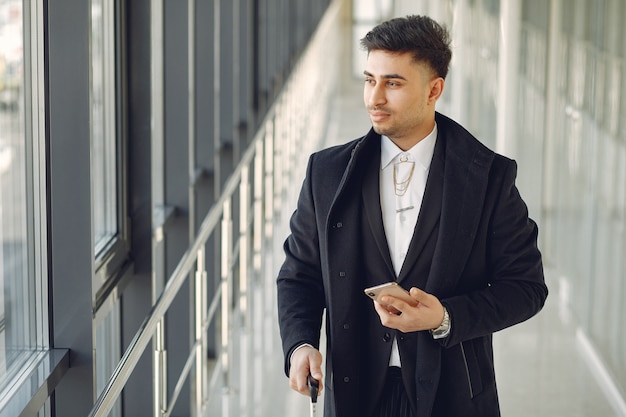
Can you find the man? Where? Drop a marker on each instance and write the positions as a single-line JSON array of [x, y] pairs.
[[421, 202]]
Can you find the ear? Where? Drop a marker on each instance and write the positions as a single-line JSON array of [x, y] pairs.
[[436, 89]]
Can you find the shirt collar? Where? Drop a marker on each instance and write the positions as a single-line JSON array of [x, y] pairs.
[[421, 152]]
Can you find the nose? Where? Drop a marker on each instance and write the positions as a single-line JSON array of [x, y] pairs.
[[374, 95]]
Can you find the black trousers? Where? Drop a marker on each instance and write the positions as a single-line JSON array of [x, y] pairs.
[[394, 401]]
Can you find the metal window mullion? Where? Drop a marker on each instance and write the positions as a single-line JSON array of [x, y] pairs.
[[244, 287], [226, 284], [199, 390], [269, 178], [157, 102], [244, 209], [284, 143], [158, 200], [258, 265], [238, 141], [160, 370], [279, 151], [110, 128], [200, 303], [293, 140], [191, 121], [271, 164], [217, 168], [34, 96], [257, 242]]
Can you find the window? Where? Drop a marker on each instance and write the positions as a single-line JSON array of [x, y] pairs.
[[109, 224], [23, 290], [103, 125], [107, 164], [108, 345]]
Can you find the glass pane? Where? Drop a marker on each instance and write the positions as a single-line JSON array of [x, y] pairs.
[[18, 324], [103, 127], [108, 352]]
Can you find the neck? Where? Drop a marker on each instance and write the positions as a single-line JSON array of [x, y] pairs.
[[406, 142]]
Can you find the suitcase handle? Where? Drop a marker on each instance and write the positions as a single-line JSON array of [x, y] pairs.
[[313, 387]]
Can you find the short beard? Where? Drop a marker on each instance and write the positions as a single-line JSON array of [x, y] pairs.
[[389, 132]]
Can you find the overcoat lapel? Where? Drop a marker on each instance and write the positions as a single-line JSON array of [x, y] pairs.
[[429, 211], [454, 196], [466, 177], [371, 202]]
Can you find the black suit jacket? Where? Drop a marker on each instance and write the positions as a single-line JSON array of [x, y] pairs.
[[474, 247]]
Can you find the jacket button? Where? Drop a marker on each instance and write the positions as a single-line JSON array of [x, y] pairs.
[[339, 225], [386, 337], [401, 338], [346, 326], [346, 379], [342, 274]]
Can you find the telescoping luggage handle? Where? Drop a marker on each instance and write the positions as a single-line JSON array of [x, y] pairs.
[[313, 388]]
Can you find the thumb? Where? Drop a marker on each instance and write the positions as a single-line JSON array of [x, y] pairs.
[[316, 367], [419, 295]]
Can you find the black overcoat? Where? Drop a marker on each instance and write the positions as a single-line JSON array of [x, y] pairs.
[[474, 247]]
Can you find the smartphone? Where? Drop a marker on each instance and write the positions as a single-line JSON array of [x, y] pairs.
[[389, 288]]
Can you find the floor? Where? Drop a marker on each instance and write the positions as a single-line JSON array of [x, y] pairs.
[[542, 365]]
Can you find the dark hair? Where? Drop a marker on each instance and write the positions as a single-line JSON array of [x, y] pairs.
[[426, 39]]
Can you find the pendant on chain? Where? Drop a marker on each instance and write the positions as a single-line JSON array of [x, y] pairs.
[[400, 187]]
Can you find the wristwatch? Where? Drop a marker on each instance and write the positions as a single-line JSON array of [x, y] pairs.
[[444, 328]]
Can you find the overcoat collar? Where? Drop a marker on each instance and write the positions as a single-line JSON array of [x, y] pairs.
[[455, 188]]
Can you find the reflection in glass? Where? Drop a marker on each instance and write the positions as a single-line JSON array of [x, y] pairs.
[[103, 127], [104, 177], [108, 345], [17, 279]]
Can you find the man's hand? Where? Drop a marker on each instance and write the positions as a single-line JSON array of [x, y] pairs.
[[305, 360], [427, 314]]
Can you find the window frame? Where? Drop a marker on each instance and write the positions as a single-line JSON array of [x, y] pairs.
[[43, 367], [111, 259]]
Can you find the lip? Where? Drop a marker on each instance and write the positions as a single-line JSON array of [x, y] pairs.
[[378, 116]]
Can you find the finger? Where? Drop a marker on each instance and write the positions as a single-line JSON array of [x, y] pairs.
[[316, 371], [380, 309], [433, 311], [394, 304], [387, 317], [297, 381], [384, 309], [420, 295], [304, 361]]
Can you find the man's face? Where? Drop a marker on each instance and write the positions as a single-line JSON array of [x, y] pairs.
[[400, 96]]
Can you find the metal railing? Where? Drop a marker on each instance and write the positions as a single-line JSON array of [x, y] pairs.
[[259, 191]]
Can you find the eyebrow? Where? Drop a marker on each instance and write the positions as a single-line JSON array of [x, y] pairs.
[[387, 76]]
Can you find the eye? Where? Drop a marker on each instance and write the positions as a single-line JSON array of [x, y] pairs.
[[369, 81]]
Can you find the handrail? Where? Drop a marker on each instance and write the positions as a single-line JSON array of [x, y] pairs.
[[144, 334], [299, 93]]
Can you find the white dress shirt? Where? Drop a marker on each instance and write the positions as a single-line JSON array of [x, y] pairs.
[[400, 212]]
